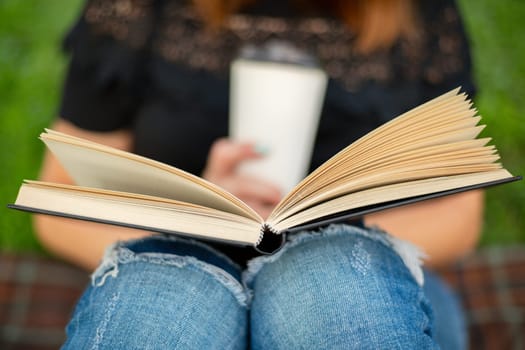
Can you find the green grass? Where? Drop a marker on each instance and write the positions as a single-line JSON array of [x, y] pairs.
[[499, 56], [31, 66], [31, 70]]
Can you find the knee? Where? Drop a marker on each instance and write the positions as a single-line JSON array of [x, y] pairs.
[[336, 290], [152, 299]]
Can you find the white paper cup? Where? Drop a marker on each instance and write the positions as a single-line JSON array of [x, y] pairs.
[[277, 106]]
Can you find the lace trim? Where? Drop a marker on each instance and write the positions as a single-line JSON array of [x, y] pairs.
[[449, 46], [181, 38], [129, 21]]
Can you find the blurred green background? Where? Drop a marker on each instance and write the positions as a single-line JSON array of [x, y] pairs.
[[32, 66]]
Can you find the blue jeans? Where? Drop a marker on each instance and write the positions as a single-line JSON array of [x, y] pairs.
[[342, 287]]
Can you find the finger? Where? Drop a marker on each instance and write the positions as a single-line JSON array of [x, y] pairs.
[[225, 155]]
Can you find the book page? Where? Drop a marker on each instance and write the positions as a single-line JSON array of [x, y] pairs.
[[137, 211], [94, 165], [385, 194], [416, 169], [436, 139], [446, 119]]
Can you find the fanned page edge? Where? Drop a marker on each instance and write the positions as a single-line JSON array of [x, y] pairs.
[[453, 106], [406, 115], [441, 103]]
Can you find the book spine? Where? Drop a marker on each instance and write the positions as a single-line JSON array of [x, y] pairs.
[[270, 240]]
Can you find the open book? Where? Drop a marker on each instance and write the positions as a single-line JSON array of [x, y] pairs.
[[428, 152]]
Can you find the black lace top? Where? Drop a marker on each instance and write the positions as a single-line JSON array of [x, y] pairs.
[[150, 66]]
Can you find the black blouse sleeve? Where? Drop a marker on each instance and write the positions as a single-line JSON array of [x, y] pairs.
[[105, 79]]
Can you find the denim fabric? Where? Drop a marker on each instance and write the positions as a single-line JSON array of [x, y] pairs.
[[449, 321], [340, 288]]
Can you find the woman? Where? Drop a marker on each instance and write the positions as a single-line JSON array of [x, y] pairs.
[[151, 77]]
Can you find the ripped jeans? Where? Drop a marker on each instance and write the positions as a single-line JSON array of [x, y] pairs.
[[342, 287]]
